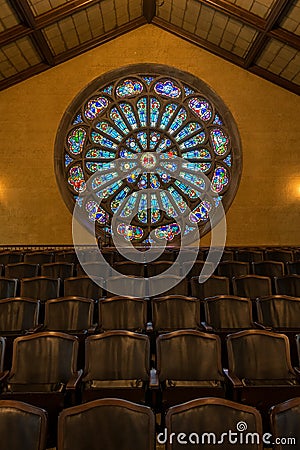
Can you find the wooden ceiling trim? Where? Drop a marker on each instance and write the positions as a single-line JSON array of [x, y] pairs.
[[286, 36], [13, 34], [89, 45], [22, 76], [286, 84], [186, 35]]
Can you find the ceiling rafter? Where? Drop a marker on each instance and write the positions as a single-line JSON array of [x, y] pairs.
[[260, 42], [26, 16], [225, 55], [134, 24], [267, 28]]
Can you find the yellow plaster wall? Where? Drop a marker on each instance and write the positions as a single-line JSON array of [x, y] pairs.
[[266, 208]]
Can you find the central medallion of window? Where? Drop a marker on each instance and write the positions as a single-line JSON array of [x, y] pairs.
[[163, 129]]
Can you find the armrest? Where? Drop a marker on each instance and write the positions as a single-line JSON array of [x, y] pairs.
[[74, 380], [92, 329], [39, 327], [261, 326], [4, 375], [234, 380], [207, 327], [149, 327], [297, 371], [153, 381]]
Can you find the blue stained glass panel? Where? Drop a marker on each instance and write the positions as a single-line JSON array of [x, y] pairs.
[[101, 179], [194, 141], [187, 131], [227, 160], [178, 121], [95, 166], [167, 204], [196, 167], [95, 212], [201, 213], [127, 155], [142, 111], [220, 141], [220, 180], [142, 211], [188, 91], [95, 107], [201, 107], [110, 190], [129, 88], [97, 138], [178, 199], [167, 115], [148, 79], [116, 202], [143, 181], [68, 160], [164, 144], [154, 138], [167, 232], [202, 153], [217, 120], [129, 114], [171, 166], [78, 119], [76, 140], [106, 128], [155, 213], [154, 182], [194, 179], [108, 89], [192, 193], [116, 117], [165, 177], [132, 178], [96, 153], [133, 145], [154, 111], [130, 205], [142, 137], [168, 89]]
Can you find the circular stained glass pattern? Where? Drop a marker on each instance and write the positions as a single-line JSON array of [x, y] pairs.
[[168, 134]]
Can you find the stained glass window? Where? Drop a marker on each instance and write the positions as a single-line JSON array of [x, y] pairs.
[[168, 134]]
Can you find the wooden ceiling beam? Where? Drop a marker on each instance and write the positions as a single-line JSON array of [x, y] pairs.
[[25, 14], [286, 84], [190, 37]]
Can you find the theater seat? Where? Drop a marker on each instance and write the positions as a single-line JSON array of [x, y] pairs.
[[21, 270], [18, 315], [39, 257], [281, 313], [260, 370], [8, 287], [43, 373], [122, 313], [175, 312], [22, 426], [285, 419], [252, 286], [189, 366], [288, 285], [213, 286], [206, 421], [60, 270], [117, 365], [109, 424], [82, 287]]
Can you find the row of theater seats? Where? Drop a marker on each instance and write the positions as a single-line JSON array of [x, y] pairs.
[[250, 286], [82, 316], [111, 255], [226, 268], [118, 365], [110, 424]]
